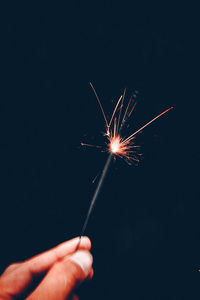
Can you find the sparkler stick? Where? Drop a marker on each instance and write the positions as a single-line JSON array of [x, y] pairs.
[[123, 147], [96, 193]]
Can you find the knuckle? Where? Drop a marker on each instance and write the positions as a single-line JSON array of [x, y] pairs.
[[13, 266]]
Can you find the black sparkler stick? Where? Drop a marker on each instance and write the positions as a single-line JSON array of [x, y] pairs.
[[94, 198]]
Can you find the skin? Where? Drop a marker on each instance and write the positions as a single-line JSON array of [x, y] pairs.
[[60, 275]]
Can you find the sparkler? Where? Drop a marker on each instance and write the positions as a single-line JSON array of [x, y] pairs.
[[117, 145]]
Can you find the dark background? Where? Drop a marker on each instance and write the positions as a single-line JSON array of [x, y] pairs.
[[145, 227]]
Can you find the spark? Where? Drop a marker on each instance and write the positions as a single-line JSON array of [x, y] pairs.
[[89, 145]]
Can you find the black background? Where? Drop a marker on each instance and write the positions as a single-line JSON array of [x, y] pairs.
[[145, 226]]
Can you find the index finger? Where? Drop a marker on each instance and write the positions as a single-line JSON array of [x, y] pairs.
[[45, 260]]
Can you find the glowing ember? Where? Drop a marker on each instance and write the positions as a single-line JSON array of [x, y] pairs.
[[115, 145]]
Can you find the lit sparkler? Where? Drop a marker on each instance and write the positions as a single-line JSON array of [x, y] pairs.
[[117, 145]]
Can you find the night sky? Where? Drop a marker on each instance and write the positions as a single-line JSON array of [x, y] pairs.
[[145, 229]]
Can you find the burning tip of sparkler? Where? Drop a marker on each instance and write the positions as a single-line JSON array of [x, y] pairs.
[[115, 145], [122, 148]]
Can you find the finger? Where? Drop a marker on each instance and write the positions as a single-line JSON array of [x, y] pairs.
[[64, 276], [44, 261]]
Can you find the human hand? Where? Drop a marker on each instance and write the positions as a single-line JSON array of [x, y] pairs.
[[63, 267]]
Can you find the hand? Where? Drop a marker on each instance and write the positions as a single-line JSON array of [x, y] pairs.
[[63, 269]]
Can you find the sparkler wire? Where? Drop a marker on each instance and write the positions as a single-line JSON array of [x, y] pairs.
[[94, 198]]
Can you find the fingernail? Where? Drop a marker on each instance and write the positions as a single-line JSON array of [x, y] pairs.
[[84, 259]]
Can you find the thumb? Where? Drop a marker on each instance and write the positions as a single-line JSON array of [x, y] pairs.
[[64, 276]]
